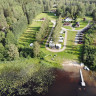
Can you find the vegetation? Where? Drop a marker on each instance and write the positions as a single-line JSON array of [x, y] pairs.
[[26, 70], [43, 31], [57, 30], [75, 9], [89, 54], [25, 77], [36, 49]]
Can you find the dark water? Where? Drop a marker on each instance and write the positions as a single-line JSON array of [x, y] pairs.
[[68, 84]]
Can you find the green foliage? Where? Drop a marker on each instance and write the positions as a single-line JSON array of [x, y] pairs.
[[10, 38], [94, 15], [43, 31], [36, 49], [25, 76], [73, 8], [2, 36], [25, 51], [12, 52], [89, 53], [1, 51], [57, 29]]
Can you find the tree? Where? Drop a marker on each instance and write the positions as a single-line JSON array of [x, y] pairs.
[[1, 51], [36, 49], [13, 52], [56, 32], [94, 15], [10, 39]]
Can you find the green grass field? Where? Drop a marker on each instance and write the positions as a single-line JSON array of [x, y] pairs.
[[50, 16], [83, 23], [29, 36], [68, 27]]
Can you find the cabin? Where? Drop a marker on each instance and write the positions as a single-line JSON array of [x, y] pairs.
[[58, 46], [84, 19], [66, 24], [77, 24]]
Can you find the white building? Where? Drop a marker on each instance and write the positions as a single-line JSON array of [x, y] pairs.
[[68, 19], [51, 44]]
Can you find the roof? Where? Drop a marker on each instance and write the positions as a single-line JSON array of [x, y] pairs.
[[68, 19], [58, 45], [66, 23]]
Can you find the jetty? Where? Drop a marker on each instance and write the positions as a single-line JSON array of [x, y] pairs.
[[82, 79]]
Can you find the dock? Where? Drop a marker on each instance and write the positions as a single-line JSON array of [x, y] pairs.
[[82, 79]]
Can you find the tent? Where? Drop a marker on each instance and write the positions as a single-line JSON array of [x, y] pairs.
[[31, 44], [58, 46]]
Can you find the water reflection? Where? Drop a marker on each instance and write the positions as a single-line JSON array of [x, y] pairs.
[[68, 84]]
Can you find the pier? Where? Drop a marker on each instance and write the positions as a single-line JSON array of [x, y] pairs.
[[82, 79]]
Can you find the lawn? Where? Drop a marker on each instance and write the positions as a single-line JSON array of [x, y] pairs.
[[83, 23], [29, 36], [68, 27], [50, 16]]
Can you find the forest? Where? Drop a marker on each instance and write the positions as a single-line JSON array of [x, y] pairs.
[[89, 49]]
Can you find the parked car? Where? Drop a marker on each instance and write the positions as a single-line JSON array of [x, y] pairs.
[[80, 42]]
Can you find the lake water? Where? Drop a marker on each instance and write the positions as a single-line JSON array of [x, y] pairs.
[[68, 84]]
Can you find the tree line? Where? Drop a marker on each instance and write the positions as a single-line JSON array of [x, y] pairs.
[[57, 30], [43, 30], [89, 49], [75, 8]]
